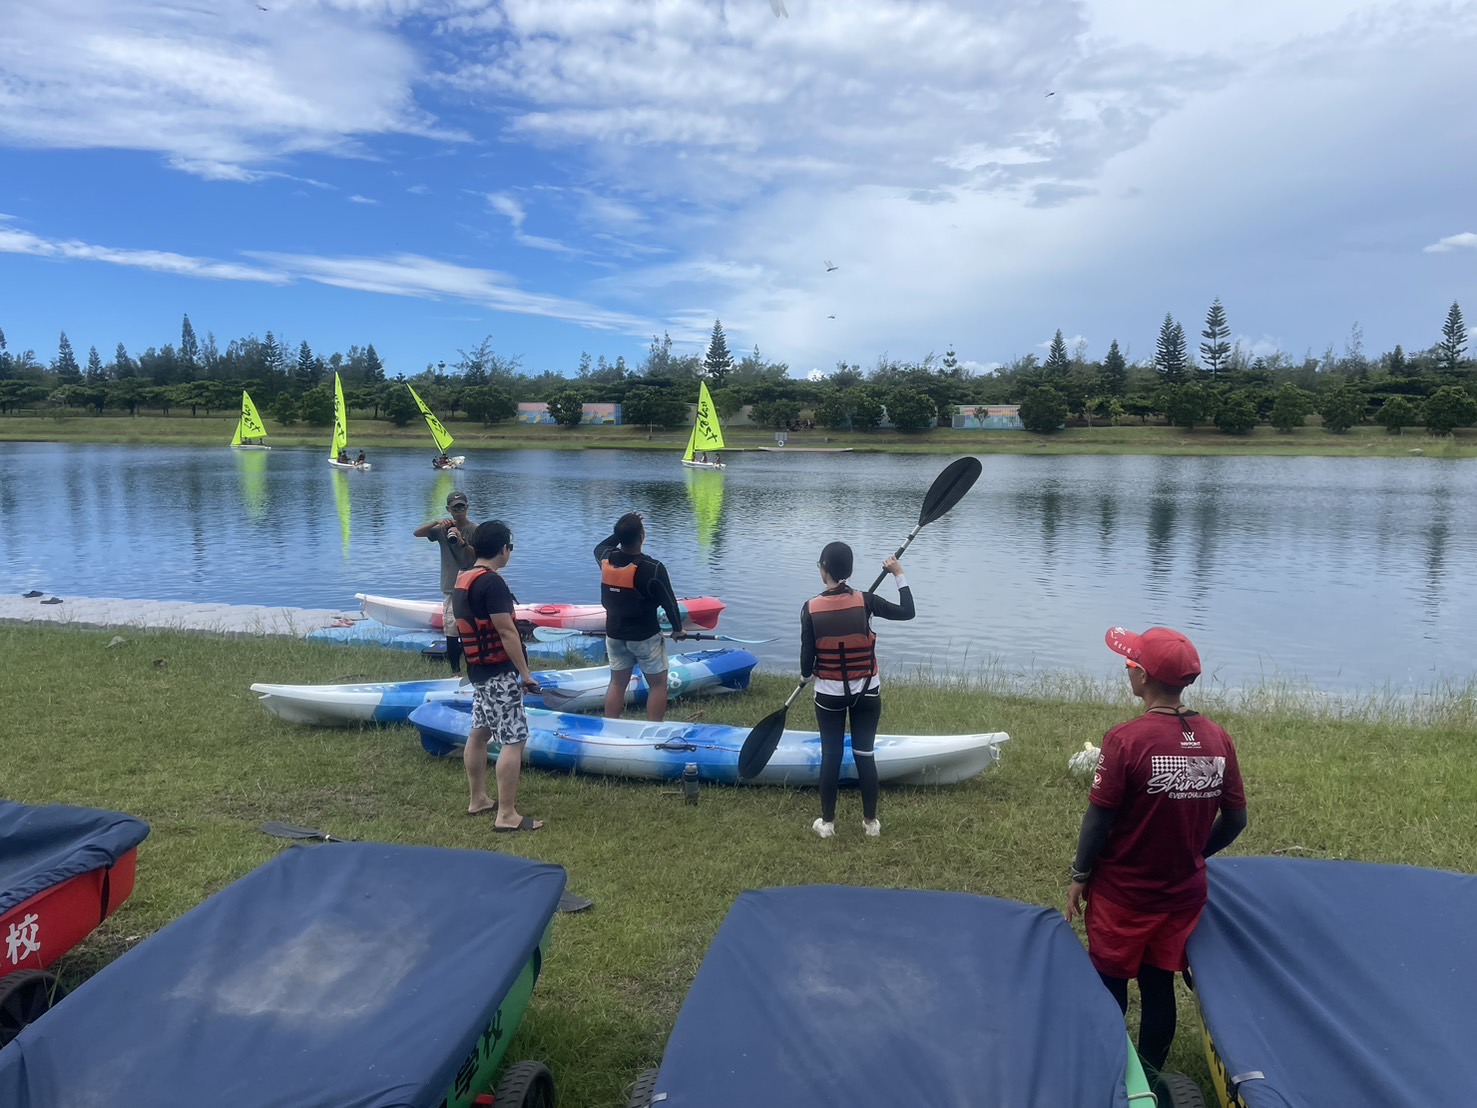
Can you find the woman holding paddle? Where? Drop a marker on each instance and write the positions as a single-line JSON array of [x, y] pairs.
[[838, 649]]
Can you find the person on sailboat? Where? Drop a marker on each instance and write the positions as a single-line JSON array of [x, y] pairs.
[[361, 460], [343, 458]]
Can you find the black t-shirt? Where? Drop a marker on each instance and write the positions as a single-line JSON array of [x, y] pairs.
[[488, 596]]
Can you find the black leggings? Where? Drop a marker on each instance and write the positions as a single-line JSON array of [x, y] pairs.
[[1157, 1012], [830, 718]]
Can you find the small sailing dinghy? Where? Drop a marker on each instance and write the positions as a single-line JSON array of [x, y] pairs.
[[250, 434], [440, 434], [338, 456], [707, 437]]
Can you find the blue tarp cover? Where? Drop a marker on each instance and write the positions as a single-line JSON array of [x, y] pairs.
[[1342, 983], [822, 995], [355, 975], [43, 847]]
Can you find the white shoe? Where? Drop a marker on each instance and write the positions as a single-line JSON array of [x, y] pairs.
[[823, 829], [873, 827]]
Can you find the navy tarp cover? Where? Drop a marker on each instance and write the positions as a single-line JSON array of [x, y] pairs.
[[43, 847], [1340, 982], [824, 995], [355, 975]]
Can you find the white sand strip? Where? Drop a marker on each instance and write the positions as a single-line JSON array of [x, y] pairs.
[[170, 615]]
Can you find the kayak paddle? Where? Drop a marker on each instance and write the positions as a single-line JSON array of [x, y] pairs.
[[554, 634], [948, 489]]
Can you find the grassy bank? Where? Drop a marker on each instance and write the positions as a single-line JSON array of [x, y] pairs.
[[164, 727], [215, 430]]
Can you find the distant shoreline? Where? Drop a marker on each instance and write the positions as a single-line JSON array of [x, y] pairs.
[[215, 430]]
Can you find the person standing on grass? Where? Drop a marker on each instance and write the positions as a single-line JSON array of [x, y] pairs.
[[499, 671], [454, 536], [838, 648], [634, 588], [1167, 794]]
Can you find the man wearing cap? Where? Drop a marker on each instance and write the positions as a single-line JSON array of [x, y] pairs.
[[454, 536], [1167, 794]]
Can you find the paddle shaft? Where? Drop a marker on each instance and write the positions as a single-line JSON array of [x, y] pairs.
[[913, 534]]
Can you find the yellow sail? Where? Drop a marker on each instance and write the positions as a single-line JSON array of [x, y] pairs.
[[250, 426], [706, 434], [439, 433], [340, 419]]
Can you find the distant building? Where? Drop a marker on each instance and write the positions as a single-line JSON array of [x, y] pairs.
[[989, 417], [595, 415]]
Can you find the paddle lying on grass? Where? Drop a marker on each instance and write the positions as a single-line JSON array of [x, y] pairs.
[[568, 902], [948, 489], [554, 634]]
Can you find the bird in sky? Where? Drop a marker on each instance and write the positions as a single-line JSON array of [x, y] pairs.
[[779, 8], [262, 9], [830, 317], [1051, 92], [831, 266]]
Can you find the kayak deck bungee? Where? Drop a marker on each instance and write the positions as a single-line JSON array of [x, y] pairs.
[[660, 751], [699, 613], [570, 690]]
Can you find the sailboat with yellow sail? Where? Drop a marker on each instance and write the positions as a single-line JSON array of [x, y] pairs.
[[338, 454], [707, 437], [249, 430], [440, 434]]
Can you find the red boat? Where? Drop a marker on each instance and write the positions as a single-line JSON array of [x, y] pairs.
[[63, 870]]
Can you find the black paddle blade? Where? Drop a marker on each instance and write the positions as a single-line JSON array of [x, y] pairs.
[[949, 488], [290, 831], [759, 747]]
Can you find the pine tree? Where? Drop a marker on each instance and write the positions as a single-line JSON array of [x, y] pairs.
[[718, 361], [1453, 341], [1215, 351], [122, 363], [274, 361], [374, 369], [1170, 354], [308, 367], [1113, 380], [1057, 361], [189, 347], [65, 366], [5, 361], [94, 366]]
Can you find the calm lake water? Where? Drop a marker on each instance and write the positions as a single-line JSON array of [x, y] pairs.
[[1350, 574]]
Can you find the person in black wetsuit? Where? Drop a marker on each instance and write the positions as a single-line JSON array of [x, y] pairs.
[[837, 648], [634, 588]]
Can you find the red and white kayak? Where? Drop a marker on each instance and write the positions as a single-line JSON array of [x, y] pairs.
[[699, 613]]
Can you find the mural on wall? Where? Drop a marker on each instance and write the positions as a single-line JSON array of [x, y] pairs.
[[989, 417], [595, 415]]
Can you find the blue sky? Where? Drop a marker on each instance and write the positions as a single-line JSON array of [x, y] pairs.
[[581, 174]]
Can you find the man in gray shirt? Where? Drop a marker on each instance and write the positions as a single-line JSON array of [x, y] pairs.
[[454, 537]]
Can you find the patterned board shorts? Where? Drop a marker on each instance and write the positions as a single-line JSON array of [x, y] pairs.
[[497, 706]]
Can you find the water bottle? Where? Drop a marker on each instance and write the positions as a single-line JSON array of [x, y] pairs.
[[689, 783]]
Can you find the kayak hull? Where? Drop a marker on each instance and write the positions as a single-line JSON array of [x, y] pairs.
[[659, 751], [700, 613], [350, 465], [570, 690]]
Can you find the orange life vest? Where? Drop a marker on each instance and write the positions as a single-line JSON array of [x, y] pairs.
[[482, 644], [845, 645]]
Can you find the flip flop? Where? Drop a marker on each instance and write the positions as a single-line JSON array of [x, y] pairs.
[[484, 811], [528, 824], [53, 600], [32, 594]]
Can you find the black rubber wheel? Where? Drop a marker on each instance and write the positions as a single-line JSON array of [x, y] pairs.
[[24, 998], [526, 1085], [1175, 1090], [643, 1090]]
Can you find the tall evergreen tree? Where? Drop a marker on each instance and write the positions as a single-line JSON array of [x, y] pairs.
[[1113, 380], [1399, 364], [5, 359], [374, 369], [1453, 343], [122, 363], [65, 366], [94, 366], [308, 368], [1215, 351], [189, 346], [1057, 361], [274, 362], [1170, 354], [718, 361]]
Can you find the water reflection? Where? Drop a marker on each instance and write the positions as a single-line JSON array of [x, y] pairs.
[[1303, 566]]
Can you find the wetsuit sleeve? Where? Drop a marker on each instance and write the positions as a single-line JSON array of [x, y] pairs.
[[604, 547], [1096, 823], [807, 642], [1228, 825], [662, 593], [886, 609]]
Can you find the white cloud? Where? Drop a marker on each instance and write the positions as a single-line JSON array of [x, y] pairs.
[[507, 205], [1466, 239], [13, 241], [357, 199]]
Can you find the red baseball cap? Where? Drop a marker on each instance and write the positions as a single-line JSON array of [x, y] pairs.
[[1165, 655]]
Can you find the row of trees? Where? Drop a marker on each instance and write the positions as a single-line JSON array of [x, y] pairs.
[[1226, 386]]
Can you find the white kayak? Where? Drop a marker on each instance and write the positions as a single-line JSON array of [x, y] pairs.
[[568, 690], [660, 751], [349, 465]]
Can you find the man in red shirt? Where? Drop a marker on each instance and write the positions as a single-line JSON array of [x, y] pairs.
[[1167, 794]]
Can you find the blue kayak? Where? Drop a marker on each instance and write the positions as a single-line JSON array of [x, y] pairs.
[[369, 632]]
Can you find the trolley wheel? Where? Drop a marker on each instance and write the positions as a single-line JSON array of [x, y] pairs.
[[1175, 1090], [643, 1090], [526, 1085], [24, 998]]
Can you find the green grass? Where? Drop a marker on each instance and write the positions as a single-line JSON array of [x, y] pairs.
[[215, 430], [164, 727]]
